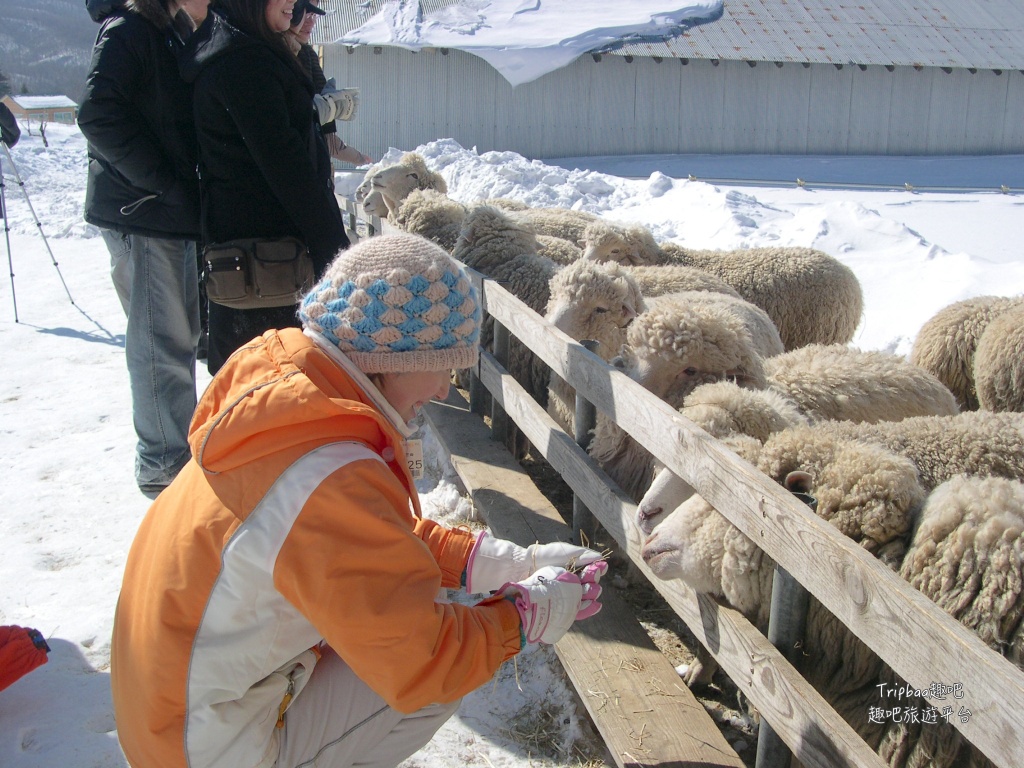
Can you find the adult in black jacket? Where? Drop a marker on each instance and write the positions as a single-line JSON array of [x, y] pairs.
[[264, 167], [143, 193]]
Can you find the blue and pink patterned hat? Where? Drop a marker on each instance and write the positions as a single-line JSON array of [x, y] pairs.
[[397, 303]]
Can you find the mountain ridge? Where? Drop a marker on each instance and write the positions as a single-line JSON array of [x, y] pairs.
[[46, 46]]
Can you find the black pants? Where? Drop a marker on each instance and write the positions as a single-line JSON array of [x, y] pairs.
[[232, 328]]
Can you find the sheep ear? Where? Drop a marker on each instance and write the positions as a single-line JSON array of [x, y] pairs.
[[628, 312], [798, 481]]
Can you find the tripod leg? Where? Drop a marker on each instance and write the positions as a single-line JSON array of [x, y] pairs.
[[35, 218], [7, 237]]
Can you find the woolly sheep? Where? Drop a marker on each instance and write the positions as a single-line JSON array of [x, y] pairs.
[[397, 181], [946, 343], [504, 250], [973, 443], [431, 214], [366, 185], [869, 494], [843, 383], [673, 278], [558, 249], [999, 362], [810, 296], [815, 384], [967, 556], [589, 301], [566, 223], [681, 341], [594, 300]]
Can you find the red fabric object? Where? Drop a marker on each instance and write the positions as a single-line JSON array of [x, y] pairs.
[[21, 650]]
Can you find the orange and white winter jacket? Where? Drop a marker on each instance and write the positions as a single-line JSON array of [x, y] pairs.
[[296, 523]]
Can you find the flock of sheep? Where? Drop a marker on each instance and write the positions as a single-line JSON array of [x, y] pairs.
[[920, 461]]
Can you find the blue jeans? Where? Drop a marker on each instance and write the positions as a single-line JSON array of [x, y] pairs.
[[158, 285]]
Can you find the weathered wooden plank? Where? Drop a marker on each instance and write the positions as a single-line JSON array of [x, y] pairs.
[[918, 640], [799, 714], [644, 714]]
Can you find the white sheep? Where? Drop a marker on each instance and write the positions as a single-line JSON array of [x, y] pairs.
[[566, 223], [946, 343], [558, 249], [589, 301], [680, 341], [817, 383], [999, 362], [970, 443], [674, 278], [374, 205], [495, 244], [967, 556], [430, 214], [847, 384], [869, 494], [395, 182], [845, 402], [966, 553], [810, 296]]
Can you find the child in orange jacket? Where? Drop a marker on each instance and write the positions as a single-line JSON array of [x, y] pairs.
[[279, 598]]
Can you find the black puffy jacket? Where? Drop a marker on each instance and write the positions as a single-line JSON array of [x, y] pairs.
[[264, 166], [137, 117]]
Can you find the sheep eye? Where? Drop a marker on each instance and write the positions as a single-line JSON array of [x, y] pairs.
[[600, 310], [690, 372]]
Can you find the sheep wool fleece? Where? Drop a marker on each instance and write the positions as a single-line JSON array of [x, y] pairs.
[[296, 524]]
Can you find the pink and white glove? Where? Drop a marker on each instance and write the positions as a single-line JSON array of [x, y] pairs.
[[495, 562], [553, 598]]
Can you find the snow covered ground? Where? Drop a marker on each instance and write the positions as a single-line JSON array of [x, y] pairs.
[[68, 502]]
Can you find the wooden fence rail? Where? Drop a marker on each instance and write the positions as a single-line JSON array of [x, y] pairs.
[[918, 640]]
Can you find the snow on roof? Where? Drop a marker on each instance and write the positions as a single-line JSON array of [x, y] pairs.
[[522, 39], [42, 102]]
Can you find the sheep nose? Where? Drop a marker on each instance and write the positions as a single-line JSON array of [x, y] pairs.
[[649, 548], [644, 518]]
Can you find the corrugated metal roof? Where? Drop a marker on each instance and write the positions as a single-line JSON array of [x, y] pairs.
[[929, 33], [983, 34]]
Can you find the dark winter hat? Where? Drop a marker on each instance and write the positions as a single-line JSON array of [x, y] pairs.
[[397, 303], [302, 7]]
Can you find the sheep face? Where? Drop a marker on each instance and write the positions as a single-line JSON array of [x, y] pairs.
[[687, 545], [366, 185], [666, 492], [373, 204], [589, 301], [678, 345], [395, 183]]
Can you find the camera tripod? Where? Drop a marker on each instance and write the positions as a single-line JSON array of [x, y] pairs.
[[7, 226]]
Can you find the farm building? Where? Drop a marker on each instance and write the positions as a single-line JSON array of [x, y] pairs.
[[897, 77], [41, 109]]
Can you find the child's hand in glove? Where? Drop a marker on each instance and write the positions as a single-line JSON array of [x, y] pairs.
[[553, 598], [495, 562]]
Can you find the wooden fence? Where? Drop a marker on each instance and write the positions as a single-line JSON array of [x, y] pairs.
[[918, 640]]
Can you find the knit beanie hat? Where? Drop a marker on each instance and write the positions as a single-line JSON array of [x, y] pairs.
[[396, 303]]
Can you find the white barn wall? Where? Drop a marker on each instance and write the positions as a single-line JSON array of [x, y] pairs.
[[643, 106]]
